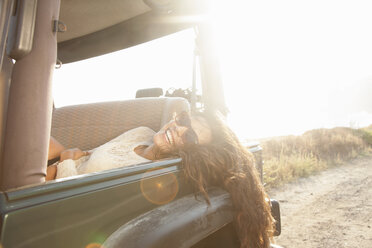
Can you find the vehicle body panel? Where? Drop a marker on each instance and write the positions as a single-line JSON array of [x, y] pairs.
[[85, 209]]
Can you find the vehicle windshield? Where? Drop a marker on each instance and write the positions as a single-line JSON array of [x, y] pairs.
[[166, 62]]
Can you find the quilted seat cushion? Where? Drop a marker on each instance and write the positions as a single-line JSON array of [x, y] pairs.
[[90, 125]]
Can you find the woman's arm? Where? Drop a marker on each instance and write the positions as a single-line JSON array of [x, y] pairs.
[[74, 154], [55, 148]]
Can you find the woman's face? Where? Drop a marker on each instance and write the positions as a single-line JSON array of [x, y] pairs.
[[175, 133]]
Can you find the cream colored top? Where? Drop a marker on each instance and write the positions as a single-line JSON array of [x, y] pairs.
[[116, 153]]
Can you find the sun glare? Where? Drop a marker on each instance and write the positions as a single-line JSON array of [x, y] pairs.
[[290, 66], [287, 66], [164, 62]]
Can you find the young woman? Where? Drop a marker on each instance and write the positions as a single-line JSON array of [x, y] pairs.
[[211, 155]]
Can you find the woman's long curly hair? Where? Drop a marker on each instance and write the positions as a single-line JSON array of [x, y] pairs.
[[225, 162]]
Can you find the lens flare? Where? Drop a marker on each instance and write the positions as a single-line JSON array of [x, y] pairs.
[[97, 240], [94, 245], [159, 190]]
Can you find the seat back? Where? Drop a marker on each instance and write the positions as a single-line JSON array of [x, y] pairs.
[[90, 125]]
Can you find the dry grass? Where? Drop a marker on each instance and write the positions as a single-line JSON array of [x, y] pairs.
[[291, 157]]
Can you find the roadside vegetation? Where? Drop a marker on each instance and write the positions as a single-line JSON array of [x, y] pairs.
[[290, 157]]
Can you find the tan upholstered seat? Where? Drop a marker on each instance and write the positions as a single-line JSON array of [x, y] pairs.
[[90, 125]]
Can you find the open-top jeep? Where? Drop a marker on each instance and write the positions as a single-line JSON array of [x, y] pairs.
[[146, 205]]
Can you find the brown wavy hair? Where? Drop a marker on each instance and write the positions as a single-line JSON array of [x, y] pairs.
[[225, 162]]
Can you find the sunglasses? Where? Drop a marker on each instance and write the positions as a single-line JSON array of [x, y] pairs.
[[189, 136]]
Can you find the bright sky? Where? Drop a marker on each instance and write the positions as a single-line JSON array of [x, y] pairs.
[[288, 66]]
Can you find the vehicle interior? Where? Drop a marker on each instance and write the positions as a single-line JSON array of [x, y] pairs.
[[80, 30], [37, 36]]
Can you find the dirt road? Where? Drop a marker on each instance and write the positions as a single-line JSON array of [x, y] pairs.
[[331, 209]]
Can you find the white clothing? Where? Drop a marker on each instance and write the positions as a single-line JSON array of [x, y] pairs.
[[116, 153]]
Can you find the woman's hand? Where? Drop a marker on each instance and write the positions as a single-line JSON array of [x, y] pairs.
[[74, 154]]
